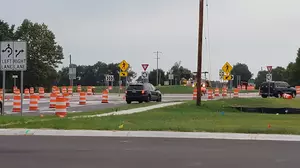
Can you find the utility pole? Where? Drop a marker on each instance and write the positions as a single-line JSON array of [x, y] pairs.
[[200, 38], [70, 66], [157, 58]]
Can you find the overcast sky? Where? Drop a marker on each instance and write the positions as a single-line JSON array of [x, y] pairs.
[[255, 32]]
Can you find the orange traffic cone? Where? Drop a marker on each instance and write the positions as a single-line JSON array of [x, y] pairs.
[[60, 107], [105, 96], [52, 100], [33, 104], [82, 98]]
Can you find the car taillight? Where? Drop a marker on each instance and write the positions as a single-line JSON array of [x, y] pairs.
[[143, 91]]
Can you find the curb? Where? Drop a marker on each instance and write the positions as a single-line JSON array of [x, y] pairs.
[[150, 134]]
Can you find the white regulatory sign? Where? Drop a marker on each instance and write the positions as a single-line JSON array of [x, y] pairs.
[[145, 75], [13, 56], [109, 78], [269, 77]]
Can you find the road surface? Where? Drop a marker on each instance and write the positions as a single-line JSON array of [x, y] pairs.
[[95, 152]]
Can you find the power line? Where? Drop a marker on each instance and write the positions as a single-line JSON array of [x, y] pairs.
[[157, 58]]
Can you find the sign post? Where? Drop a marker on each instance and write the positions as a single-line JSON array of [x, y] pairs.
[[13, 58], [15, 82], [269, 78]]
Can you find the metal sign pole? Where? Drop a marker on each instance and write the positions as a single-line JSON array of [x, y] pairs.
[[3, 95], [120, 83], [22, 77], [269, 87]]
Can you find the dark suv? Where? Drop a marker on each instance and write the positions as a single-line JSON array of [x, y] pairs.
[[277, 88], [142, 92]]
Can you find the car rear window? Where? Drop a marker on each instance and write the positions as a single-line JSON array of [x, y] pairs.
[[135, 87]]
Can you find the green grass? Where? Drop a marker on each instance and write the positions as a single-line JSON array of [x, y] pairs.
[[188, 117], [260, 102], [24, 119]]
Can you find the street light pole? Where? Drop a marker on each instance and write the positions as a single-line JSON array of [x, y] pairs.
[[200, 38], [157, 58]]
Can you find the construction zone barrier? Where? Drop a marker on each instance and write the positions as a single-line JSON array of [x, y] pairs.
[[224, 92], [195, 94], [14, 89], [298, 90], [79, 88], [104, 96], [57, 90], [236, 93], [16, 103], [52, 100], [42, 92], [67, 99], [70, 90], [33, 103], [27, 93], [53, 89], [89, 91], [60, 107], [31, 90], [64, 89], [82, 98], [210, 94], [217, 92], [287, 96]]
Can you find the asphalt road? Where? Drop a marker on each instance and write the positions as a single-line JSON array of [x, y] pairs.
[[79, 152]]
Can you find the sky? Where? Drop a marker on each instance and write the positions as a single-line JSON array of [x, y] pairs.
[[256, 32]]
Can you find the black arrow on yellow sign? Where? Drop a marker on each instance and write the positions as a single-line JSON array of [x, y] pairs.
[[123, 74]]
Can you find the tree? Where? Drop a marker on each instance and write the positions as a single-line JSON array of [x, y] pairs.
[[241, 70], [290, 71], [7, 34], [6, 31], [279, 74], [180, 72], [152, 77], [43, 53], [294, 71]]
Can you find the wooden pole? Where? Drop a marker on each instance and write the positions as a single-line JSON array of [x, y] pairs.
[[200, 38]]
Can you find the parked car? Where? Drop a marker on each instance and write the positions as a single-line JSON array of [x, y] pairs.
[[142, 92], [277, 88]]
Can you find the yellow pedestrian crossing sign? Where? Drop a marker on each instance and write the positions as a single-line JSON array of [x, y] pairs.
[[123, 65], [227, 68]]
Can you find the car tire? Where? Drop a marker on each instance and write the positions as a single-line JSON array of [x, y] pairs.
[[294, 95], [148, 99], [264, 96], [159, 98], [128, 101]]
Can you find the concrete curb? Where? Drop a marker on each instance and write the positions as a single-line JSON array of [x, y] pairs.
[[150, 134]]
